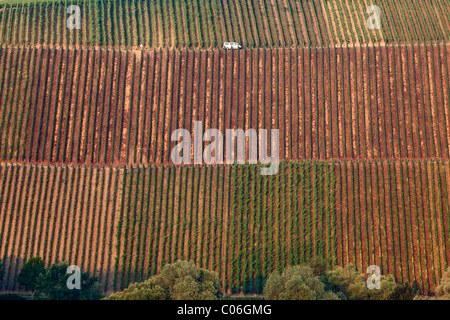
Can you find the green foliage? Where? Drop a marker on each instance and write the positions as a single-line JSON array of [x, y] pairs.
[[402, 292], [28, 276], [297, 283], [319, 266], [352, 284], [315, 282], [297, 192], [199, 23], [146, 290], [179, 281], [53, 283]]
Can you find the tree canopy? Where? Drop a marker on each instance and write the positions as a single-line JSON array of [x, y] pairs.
[[353, 285], [52, 282], [179, 281], [316, 282], [30, 272], [297, 283]]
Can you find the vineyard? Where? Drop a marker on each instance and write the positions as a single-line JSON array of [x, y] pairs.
[[37, 201], [207, 24], [338, 103], [86, 118], [144, 217]]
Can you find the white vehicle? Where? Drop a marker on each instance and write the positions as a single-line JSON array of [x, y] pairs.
[[232, 46]]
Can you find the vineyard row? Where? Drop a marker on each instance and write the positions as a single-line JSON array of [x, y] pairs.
[[207, 24], [123, 225], [116, 107]]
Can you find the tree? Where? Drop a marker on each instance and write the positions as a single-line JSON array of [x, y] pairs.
[[442, 290], [53, 283], [339, 279], [402, 292], [315, 282], [297, 283], [179, 281], [353, 286], [30, 272], [319, 266], [357, 290]]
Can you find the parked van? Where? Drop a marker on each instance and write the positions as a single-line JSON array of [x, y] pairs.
[[231, 46]]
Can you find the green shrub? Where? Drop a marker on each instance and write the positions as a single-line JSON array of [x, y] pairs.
[[402, 292], [315, 282], [30, 272], [179, 281], [53, 284], [352, 284], [297, 283]]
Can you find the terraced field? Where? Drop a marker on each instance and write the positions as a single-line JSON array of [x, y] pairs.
[[123, 225], [333, 103], [207, 24]]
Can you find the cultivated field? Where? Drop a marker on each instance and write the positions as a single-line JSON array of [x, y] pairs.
[[125, 224], [121, 107], [86, 118], [62, 214], [207, 24]]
